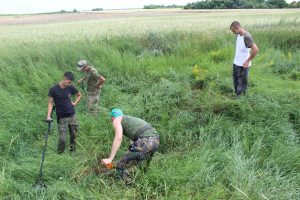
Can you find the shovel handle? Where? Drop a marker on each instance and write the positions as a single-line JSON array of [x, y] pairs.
[[48, 121]]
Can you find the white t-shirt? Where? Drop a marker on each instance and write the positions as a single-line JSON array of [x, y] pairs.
[[242, 49]]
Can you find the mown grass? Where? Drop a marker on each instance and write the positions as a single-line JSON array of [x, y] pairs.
[[212, 145]]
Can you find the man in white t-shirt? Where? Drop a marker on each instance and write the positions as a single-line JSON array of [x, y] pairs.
[[243, 57]]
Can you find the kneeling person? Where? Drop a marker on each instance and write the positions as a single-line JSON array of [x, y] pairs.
[[144, 137]]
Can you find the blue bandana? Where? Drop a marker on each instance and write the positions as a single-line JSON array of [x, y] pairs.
[[116, 113]]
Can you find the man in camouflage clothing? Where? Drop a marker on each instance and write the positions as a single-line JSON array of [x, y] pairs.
[[144, 142], [94, 85]]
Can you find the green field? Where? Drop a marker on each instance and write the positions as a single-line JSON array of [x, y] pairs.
[[172, 68]]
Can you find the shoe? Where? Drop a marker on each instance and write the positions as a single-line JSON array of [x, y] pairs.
[[238, 96]]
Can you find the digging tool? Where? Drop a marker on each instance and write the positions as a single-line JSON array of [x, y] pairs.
[[40, 185]]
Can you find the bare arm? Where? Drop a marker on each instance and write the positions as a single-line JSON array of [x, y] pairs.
[[117, 140], [254, 51], [50, 107], [78, 97]]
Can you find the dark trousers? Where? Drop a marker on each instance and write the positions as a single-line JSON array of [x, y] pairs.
[[240, 79]]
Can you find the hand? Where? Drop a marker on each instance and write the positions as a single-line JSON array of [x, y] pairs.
[[49, 120], [74, 104], [106, 161], [246, 64], [99, 86]]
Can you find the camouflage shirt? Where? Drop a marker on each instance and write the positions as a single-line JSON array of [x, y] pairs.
[[131, 125], [92, 78]]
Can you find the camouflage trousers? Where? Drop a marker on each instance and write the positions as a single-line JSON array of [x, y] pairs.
[[92, 103], [140, 154], [63, 125]]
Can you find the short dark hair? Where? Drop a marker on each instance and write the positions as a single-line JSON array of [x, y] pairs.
[[235, 24], [69, 76]]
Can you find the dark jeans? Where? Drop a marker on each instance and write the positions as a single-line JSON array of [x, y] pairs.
[[240, 79]]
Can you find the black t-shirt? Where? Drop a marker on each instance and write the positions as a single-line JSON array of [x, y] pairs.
[[62, 100]]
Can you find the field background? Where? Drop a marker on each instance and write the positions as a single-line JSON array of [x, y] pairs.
[[172, 68]]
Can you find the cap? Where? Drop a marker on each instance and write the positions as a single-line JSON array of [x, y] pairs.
[[81, 64]]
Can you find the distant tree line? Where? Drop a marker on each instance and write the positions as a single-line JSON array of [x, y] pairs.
[[294, 4], [76, 11], [64, 11], [97, 9], [152, 6], [236, 4]]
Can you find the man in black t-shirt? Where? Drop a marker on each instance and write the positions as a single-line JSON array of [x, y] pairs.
[[60, 95]]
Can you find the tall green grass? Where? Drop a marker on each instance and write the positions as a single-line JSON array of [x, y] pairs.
[[212, 145]]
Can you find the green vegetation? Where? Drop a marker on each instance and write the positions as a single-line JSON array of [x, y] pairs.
[[294, 4], [179, 79], [234, 4], [97, 9], [151, 6]]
